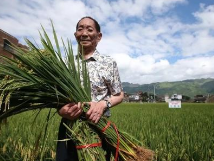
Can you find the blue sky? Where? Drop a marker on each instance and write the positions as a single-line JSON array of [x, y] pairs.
[[151, 40]]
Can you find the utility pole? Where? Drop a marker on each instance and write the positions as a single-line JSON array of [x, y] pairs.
[[154, 94], [155, 85]]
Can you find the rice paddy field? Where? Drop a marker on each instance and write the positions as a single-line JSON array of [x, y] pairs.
[[185, 134]]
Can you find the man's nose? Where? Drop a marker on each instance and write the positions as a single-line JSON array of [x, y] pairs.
[[85, 32]]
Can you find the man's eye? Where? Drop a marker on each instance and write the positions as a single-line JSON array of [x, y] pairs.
[[79, 29]]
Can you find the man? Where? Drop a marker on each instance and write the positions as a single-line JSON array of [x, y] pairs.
[[105, 85]]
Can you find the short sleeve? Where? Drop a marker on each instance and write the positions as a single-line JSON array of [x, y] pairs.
[[116, 86]]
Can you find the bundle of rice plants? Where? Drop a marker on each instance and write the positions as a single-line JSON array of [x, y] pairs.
[[39, 78]]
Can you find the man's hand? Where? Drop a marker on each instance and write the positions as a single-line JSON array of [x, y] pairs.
[[96, 111], [71, 111]]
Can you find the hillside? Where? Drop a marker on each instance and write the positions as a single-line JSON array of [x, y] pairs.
[[187, 87]]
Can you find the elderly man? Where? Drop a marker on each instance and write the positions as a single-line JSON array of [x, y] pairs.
[[106, 89]]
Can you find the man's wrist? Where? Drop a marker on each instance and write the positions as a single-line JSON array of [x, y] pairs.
[[108, 104]]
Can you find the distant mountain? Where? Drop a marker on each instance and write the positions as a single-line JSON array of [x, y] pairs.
[[187, 87]]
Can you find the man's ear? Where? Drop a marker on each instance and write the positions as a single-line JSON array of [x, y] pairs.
[[75, 34], [99, 36]]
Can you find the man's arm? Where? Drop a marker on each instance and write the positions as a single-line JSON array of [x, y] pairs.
[[72, 111], [97, 108], [116, 99]]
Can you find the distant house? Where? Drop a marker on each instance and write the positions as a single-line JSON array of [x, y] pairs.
[[176, 97], [160, 98], [166, 98], [200, 98], [173, 97], [6, 40], [210, 99], [126, 97], [134, 98]]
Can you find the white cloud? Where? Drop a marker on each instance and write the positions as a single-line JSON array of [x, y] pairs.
[[160, 6], [200, 42], [197, 39], [205, 16], [137, 34], [199, 67], [130, 8], [147, 70], [137, 69], [24, 18]]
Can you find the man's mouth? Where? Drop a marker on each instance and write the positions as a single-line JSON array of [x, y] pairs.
[[84, 40]]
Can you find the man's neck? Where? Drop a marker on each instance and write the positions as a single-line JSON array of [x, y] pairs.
[[88, 53]]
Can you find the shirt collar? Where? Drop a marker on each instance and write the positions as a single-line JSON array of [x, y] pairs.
[[95, 56]]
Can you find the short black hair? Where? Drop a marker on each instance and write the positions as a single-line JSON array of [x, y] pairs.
[[97, 26]]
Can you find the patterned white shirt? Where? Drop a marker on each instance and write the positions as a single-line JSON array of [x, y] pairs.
[[104, 77]]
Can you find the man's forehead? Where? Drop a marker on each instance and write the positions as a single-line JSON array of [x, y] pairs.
[[86, 22]]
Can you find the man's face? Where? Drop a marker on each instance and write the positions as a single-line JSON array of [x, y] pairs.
[[87, 35]]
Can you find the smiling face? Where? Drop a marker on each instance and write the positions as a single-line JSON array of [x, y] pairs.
[[87, 35]]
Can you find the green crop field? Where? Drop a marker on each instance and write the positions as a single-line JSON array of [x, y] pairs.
[[185, 134]]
